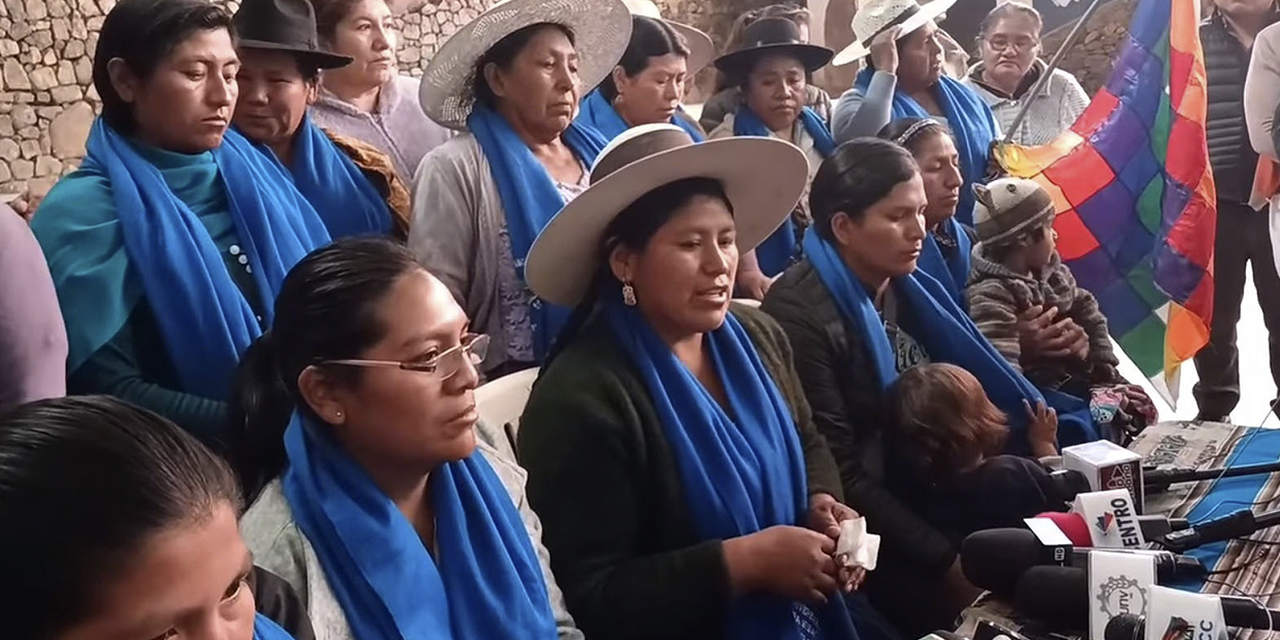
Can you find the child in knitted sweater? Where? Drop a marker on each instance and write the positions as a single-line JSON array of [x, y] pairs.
[[1015, 267]]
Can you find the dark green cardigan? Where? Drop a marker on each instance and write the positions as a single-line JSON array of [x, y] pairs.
[[603, 481]]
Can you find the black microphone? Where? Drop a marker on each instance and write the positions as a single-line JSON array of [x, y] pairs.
[[1061, 595], [1235, 525], [1066, 484], [995, 559], [1161, 478]]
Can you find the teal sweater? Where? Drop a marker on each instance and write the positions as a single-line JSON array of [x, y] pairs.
[[116, 346], [614, 514]]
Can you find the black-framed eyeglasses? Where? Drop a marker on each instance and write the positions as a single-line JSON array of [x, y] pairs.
[[443, 365]]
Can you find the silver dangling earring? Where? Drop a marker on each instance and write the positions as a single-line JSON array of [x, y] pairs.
[[628, 294]]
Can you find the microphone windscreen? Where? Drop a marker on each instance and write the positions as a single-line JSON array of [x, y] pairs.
[[1073, 525], [994, 558], [1126, 626], [1054, 594]]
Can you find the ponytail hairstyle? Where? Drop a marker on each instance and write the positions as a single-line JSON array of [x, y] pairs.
[[633, 228], [327, 309], [85, 484], [858, 174], [650, 38]]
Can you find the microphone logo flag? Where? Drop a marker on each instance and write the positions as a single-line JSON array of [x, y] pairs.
[[1105, 521]]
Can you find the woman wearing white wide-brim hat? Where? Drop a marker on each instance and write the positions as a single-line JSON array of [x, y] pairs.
[[683, 489], [512, 79], [904, 78]]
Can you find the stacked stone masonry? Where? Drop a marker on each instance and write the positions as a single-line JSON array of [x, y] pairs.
[[47, 100]]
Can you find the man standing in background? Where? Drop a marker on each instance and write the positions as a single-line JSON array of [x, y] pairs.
[[1227, 37]]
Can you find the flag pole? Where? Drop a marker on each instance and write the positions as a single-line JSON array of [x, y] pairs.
[[1053, 64]]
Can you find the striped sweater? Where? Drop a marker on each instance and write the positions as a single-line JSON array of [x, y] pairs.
[[996, 297]]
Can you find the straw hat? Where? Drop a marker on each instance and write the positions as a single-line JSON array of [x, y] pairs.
[[701, 48], [875, 16], [601, 30], [772, 35], [762, 177]]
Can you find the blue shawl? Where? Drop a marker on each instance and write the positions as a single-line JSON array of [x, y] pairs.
[[953, 273], [486, 581], [930, 315], [742, 470], [776, 252], [265, 628], [529, 199], [600, 115], [347, 202], [145, 233], [972, 125]]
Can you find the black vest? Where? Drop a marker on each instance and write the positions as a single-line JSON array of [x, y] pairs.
[[1230, 154]]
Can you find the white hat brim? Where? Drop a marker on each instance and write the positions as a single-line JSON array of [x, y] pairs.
[[601, 30], [859, 49], [762, 177], [701, 49]]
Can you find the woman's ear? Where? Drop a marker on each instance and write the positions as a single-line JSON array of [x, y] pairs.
[[318, 391], [493, 76], [620, 79], [622, 262], [313, 91], [843, 228], [123, 80]]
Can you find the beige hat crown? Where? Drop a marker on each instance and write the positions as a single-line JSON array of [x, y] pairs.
[[1007, 207]]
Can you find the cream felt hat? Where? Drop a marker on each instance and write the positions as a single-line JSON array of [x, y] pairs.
[[763, 179]]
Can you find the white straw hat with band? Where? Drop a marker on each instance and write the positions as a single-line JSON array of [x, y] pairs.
[[601, 30], [763, 179], [874, 16]]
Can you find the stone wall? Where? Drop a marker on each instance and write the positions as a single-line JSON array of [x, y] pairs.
[[47, 101], [1094, 53]]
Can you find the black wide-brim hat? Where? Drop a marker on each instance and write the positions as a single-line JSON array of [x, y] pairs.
[[772, 36], [284, 25]]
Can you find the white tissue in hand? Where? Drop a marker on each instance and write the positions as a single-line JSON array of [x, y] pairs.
[[856, 547]]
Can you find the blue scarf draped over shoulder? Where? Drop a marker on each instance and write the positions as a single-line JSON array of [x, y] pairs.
[[742, 468], [529, 199], [972, 124], [484, 582], [778, 251], [951, 272], [599, 114], [265, 628], [106, 255], [347, 202], [929, 314]]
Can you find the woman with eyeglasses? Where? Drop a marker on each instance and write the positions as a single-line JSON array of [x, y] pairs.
[[384, 510], [1010, 68]]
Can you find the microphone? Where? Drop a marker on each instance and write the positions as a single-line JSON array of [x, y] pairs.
[[1061, 595], [1077, 529], [1162, 478], [1066, 484], [995, 559], [1058, 595], [1235, 525]]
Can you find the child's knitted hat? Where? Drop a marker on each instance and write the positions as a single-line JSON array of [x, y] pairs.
[[1008, 207]]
